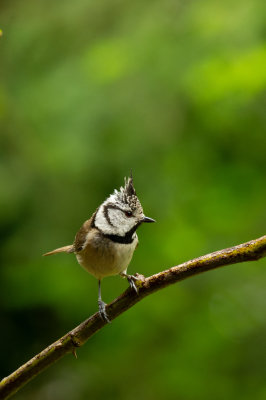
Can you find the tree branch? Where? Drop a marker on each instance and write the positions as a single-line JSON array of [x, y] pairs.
[[250, 251]]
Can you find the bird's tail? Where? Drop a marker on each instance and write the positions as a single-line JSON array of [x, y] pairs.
[[65, 249]]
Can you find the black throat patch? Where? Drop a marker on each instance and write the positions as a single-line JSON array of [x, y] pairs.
[[126, 239]]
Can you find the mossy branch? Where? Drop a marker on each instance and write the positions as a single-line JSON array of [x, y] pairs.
[[250, 251]]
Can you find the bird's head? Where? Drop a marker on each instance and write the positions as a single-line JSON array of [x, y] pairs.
[[121, 212]]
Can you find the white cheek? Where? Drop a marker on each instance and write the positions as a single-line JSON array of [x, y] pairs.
[[122, 224], [102, 224]]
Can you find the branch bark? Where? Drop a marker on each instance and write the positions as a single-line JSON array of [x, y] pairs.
[[250, 251]]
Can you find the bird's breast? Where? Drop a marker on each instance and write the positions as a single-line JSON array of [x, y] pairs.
[[101, 257]]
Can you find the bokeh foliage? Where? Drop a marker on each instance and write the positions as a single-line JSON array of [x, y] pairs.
[[174, 90]]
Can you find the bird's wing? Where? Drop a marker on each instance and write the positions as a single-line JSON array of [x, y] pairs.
[[81, 236]]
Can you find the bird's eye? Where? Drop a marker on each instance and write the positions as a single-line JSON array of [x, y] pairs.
[[128, 213]]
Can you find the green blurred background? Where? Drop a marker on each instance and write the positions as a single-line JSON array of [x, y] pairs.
[[175, 90]]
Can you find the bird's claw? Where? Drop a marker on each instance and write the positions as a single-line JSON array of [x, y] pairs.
[[102, 311], [131, 280]]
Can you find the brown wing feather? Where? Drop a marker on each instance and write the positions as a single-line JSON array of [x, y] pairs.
[[81, 236]]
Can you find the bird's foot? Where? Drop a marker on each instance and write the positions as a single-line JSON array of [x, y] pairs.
[[131, 280], [102, 311]]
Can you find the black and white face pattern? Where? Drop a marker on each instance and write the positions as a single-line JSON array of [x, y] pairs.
[[121, 212]]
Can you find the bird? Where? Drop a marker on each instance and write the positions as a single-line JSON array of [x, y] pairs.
[[105, 243]]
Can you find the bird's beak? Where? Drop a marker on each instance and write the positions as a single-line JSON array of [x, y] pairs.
[[147, 219]]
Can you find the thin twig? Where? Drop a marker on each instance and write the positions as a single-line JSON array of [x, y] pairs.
[[250, 251]]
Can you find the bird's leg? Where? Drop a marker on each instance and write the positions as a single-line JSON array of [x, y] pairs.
[[131, 280], [101, 304]]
